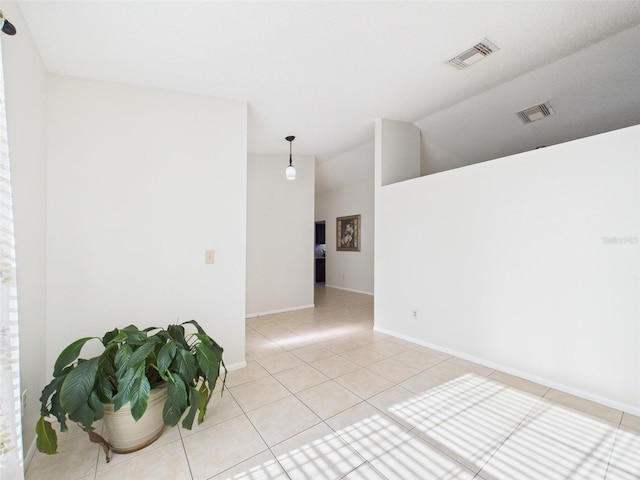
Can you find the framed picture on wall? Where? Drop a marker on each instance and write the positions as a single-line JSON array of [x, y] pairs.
[[348, 233]]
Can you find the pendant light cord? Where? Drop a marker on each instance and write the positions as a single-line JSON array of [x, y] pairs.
[[290, 142]]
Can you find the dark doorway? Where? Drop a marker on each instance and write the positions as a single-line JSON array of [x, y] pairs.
[[320, 249]]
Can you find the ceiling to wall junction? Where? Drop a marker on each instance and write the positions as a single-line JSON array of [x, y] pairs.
[[324, 71]]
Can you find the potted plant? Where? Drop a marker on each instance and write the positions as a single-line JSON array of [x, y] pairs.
[[134, 366]]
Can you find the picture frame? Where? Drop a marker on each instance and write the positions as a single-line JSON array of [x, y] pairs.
[[348, 233]]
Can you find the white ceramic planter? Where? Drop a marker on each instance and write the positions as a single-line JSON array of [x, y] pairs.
[[125, 434]]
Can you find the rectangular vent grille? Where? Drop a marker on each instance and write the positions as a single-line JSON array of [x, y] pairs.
[[473, 55], [537, 112]]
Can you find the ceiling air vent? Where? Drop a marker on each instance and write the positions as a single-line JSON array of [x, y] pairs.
[[537, 112], [474, 54]]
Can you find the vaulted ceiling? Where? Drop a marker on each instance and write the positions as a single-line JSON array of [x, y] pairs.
[[325, 70]]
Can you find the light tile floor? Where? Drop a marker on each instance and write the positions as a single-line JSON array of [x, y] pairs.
[[325, 397]]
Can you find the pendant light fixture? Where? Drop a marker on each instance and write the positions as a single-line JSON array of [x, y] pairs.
[[290, 172]]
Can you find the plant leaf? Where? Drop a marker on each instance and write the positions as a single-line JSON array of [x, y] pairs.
[[58, 412], [194, 401], [84, 415], [105, 388], [203, 336], [165, 357], [106, 448], [47, 392], [205, 396], [109, 336], [139, 397], [177, 333], [184, 364], [108, 360], [125, 384], [176, 402], [47, 441], [107, 374], [69, 355], [97, 407], [122, 356], [197, 325], [78, 384], [133, 335], [209, 363], [115, 339], [140, 354]]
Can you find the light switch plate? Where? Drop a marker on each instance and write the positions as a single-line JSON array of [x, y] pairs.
[[209, 257]]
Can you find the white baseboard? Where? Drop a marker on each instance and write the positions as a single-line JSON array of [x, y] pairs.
[[518, 373], [349, 289], [281, 310], [236, 366], [31, 451]]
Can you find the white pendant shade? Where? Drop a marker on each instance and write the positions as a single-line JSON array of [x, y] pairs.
[[290, 172]]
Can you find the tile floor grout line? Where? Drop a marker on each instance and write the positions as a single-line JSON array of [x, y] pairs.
[[515, 428], [184, 450]]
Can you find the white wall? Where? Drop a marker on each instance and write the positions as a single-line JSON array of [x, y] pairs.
[[280, 234], [350, 270], [399, 143], [506, 262], [25, 90], [140, 182]]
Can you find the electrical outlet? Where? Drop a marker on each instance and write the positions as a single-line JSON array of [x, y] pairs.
[[414, 313], [24, 402]]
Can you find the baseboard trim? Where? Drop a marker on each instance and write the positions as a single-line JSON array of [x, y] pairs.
[[518, 373], [31, 451], [349, 290], [281, 310], [236, 366]]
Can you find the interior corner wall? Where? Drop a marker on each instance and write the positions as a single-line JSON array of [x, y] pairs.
[[349, 270], [528, 263], [142, 181], [280, 234], [25, 92]]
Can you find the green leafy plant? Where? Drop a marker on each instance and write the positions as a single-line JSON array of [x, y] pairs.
[[132, 362]]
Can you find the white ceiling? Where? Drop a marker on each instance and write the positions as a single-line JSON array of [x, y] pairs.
[[324, 71]]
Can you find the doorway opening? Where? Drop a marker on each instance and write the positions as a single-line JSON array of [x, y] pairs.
[[320, 249]]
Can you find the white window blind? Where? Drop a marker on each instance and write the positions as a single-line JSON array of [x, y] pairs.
[[11, 460]]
